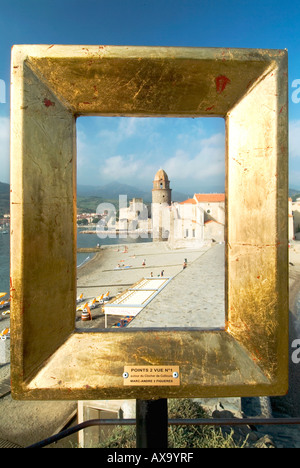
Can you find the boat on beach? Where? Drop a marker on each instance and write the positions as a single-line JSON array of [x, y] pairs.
[[4, 303]]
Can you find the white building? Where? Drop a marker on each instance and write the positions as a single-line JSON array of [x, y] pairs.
[[213, 205], [198, 220], [192, 222], [134, 217], [294, 221]]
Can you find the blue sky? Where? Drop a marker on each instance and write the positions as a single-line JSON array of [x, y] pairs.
[[191, 150]]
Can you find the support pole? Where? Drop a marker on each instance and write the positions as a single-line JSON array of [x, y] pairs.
[[152, 423]]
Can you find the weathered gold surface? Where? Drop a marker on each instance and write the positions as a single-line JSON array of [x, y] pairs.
[[51, 85], [210, 362]]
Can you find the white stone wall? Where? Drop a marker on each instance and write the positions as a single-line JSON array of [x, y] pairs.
[[187, 226], [214, 231]]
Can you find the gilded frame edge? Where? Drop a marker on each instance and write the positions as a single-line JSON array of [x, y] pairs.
[[20, 383]]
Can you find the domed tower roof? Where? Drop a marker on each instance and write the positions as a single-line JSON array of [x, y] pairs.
[[161, 175], [161, 181]]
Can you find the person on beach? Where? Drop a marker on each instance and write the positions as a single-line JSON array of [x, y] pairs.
[[162, 273], [144, 263]]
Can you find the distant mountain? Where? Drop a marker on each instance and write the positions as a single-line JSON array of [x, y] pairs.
[[4, 198], [96, 194], [294, 193], [4, 188], [112, 191], [179, 197]]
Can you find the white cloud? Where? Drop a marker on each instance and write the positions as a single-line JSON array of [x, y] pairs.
[[120, 168], [129, 170], [131, 150], [4, 149], [128, 127], [203, 168], [208, 162]]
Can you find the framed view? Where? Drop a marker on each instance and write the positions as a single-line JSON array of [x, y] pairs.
[[51, 86]]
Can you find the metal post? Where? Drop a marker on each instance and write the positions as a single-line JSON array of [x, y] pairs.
[[152, 423]]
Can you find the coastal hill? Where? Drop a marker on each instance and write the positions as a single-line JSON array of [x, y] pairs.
[[294, 194], [4, 198], [89, 196], [114, 189]]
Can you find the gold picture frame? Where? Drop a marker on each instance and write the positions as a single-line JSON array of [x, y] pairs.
[[51, 86]]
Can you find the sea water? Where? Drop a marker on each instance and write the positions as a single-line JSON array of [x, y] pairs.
[[83, 240], [92, 240]]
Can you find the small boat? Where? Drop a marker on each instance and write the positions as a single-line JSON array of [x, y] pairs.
[[92, 304], [5, 334], [82, 307], [100, 299], [4, 304], [106, 297], [79, 299]]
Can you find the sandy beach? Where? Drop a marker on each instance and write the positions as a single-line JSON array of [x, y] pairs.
[[115, 269]]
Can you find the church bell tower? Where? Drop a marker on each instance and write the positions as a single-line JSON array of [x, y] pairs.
[[161, 201]]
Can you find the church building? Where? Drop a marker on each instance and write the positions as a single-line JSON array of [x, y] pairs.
[[190, 223]]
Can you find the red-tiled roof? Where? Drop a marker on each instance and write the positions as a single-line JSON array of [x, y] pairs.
[[189, 200], [209, 197], [212, 221]]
